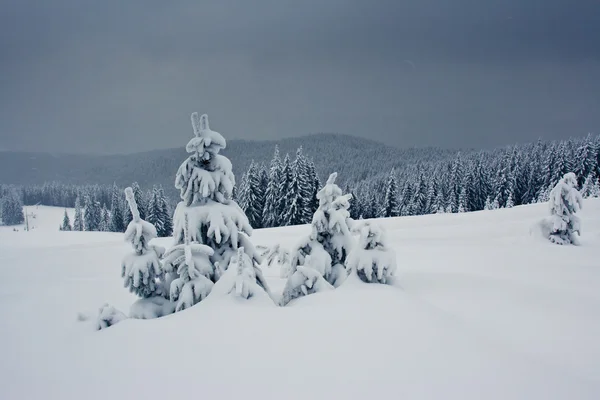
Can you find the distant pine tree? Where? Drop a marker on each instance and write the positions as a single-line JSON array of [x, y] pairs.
[[78, 224], [252, 200], [104, 219], [66, 224], [284, 190], [299, 193], [92, 214], [315, 187], [116, 212], [155, 211], [390, 204], [11, 209], [272, 193], [165, 215]]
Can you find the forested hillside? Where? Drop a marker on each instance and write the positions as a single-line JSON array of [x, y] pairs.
[[354, 158]]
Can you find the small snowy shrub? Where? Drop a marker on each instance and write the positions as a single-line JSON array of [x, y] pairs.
[[372, 260], [304, 281], [141, 270], [330, 233], [108, 316], [564, 202]]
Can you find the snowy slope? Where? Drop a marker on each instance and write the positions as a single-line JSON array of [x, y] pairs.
[[485, 311]]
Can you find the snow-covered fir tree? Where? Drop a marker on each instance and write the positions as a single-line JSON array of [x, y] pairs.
[[92, 216], [104, 224], [591, 186], [140, 200], [372, 259], [285, 194], [155, 210], [330, 239], [252, 197], [207, 220], [300, 190], [11, 209], [141, 270], [565, 201], [272, 194], [315, 186], [165, 215], [390, 203], [116, 212], [66, 223], [78, 224]]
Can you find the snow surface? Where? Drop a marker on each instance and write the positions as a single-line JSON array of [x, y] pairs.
[[485, 310]]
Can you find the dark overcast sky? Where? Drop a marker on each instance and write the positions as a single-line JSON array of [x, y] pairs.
[[122, 76]]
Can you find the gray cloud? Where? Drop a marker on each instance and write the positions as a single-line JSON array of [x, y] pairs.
[[118, 76]]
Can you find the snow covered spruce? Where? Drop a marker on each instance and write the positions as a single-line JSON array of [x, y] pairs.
[[326, 248], [209, 227], [565, 201], [141, 270], [373, 261]]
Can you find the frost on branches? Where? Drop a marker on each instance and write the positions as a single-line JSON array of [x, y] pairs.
[[564, 202], [141, 270], [240, 281], [372, 260], [195, 273], [330, 235], [209, 227]]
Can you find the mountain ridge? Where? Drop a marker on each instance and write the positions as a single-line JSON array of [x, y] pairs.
[[352, 157]]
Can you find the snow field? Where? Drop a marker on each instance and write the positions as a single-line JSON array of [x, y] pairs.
[[483, 309]]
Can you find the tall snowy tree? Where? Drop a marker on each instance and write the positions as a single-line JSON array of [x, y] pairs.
[[285, 194], [78, 224], [299, 193], [565, 202], [92, 214], [104, 225], [166, 218], [591, 186], [66, 224], [504, 181], [585, 160], [11, 209], [155, 216], [315, 187], [141, 270], [272, 194], [252, 200], [209, 226], [390, 204], [330, 240], [116, 212]]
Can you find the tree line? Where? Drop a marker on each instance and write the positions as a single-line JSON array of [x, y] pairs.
[[284, 191], [471, 181]]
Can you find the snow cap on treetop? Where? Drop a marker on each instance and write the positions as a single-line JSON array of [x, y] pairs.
[[331, 179], [132, 204], [206, 140], [570, 179]]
